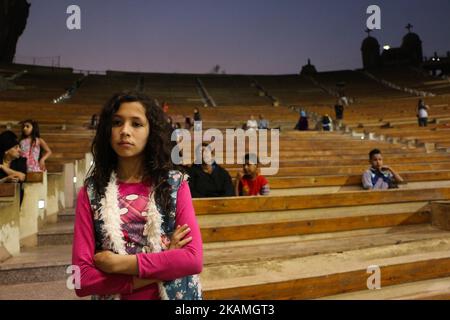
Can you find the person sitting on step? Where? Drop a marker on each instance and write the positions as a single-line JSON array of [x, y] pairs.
[[250, 182], [422, 113], [379, 176], [326, 123], [302, 124], [263, 123], [207, 179], [252, 124]]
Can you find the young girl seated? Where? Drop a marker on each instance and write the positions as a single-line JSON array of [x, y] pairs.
[[136, 236], [31, 144], [251, 183]]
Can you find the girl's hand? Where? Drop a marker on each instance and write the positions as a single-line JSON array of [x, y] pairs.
[[105, 261], [42, 165], [177, 241], [13, 179]]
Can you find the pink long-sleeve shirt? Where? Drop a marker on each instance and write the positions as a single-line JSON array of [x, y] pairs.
[[166, 265]]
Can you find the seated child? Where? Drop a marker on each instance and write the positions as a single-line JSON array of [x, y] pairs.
[[251, 183], [379, 176]]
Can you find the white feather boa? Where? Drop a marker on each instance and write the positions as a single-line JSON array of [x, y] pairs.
[[112, 225]]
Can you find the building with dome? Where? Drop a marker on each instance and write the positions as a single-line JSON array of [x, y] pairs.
[[370, 49], [410, 53], [412, 46]]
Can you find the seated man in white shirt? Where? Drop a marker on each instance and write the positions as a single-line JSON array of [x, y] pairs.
[[252, 124]]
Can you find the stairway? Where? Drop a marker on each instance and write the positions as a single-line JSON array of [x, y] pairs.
[[296, 254]]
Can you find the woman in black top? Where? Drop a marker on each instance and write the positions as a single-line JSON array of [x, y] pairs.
[[197, 115], [208, 179], [13, 167]]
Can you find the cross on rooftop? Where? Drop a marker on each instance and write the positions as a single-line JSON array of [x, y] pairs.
[[409, 27]]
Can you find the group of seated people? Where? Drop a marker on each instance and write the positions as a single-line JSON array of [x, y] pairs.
[[194, 123], [326, 123], [209, 179], [253, 124]]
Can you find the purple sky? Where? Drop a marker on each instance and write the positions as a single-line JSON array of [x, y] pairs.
[[243, 36]]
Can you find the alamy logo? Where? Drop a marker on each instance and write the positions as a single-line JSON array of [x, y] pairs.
[[73, 22], [374, 20], [221, 148], [374, 281], [74, 279]]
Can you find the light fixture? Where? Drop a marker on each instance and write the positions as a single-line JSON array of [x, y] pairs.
[[41, 204], [74, 179], [387, 47]]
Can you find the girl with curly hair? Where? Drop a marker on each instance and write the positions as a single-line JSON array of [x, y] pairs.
[[136, 236]]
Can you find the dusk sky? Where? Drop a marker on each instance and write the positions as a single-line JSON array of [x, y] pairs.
[[242, 36]]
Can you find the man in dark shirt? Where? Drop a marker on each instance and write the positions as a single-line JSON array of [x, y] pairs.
[[208, 180], [13, 167], [339, 110]]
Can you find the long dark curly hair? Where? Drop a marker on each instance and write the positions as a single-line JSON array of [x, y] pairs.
[[157, 152]]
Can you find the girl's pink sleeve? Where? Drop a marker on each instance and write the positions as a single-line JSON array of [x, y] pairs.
[[176, 263], [92, 280]]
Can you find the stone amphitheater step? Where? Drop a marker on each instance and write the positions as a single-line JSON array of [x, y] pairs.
[[235, 205], [297, 259], [255, 225], [258, 225], [346, 180], [39, 264], [56, 234], [323, 275], [50, 290], [67, 215], [335, 189], [434, 289], [348, 170]]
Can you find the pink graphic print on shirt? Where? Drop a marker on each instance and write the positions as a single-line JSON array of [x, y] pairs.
[[134, 217], [31, 152]]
